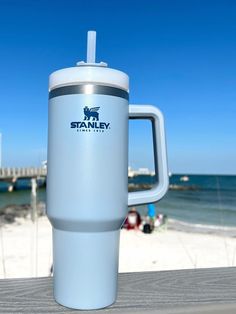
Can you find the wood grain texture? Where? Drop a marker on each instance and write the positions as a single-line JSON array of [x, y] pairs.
[[181, 291]]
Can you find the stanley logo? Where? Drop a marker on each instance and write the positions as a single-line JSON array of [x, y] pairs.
[[90, 126]]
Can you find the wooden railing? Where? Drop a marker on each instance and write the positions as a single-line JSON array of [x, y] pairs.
[[205, 291]]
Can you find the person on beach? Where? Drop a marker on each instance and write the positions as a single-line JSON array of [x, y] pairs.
[[151, 211], [149, 220], [152, 221], [133, 220]]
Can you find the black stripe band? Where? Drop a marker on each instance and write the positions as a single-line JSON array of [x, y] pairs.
[[88, 89]]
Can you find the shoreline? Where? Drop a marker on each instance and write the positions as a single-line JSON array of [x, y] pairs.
[[12, 213], [180, 225]]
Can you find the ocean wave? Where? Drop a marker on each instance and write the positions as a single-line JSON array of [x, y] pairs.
[[201, 228], [197, 188]]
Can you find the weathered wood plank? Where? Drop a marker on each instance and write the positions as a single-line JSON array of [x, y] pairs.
[[182, 291]]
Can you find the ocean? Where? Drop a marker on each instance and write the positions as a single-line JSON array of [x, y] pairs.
[[208, 200]]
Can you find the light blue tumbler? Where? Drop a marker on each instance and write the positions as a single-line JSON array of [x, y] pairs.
[[87, 180]]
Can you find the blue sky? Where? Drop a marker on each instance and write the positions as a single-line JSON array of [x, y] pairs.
[[180, 56]]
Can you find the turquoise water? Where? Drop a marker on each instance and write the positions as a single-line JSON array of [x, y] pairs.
[[212, 200]]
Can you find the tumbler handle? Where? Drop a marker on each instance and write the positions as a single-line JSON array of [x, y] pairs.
[[160, 156]]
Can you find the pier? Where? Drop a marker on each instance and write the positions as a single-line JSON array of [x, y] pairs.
[[11, 175]]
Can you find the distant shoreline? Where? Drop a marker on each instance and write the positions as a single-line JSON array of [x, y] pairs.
[[13, 213], [193, 201]]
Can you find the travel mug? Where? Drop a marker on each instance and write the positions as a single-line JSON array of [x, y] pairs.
[[87, 179]]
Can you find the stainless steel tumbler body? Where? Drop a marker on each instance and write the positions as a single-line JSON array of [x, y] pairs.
[[87, 181]]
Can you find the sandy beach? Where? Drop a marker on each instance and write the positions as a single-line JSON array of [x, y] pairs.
[[26, 249]]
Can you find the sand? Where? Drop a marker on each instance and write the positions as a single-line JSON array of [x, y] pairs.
[[26, 250]]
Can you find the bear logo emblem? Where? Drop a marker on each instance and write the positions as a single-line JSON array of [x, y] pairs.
[[91, 112]]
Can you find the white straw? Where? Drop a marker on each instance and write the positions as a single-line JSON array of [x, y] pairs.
[[91, 47]]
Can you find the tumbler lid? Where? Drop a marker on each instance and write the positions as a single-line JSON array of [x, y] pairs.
[[89, 72]]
